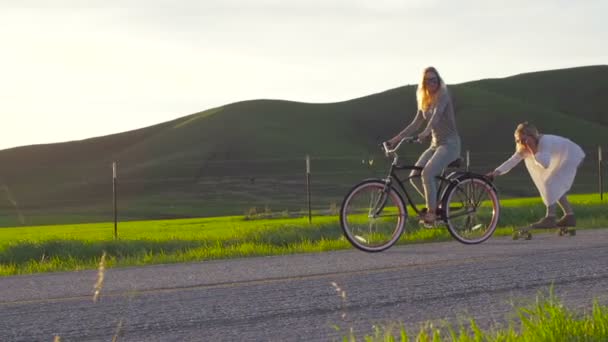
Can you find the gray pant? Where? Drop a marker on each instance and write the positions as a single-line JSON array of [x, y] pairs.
[[434, 160]]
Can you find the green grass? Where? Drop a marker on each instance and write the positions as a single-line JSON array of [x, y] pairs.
[[548, 320], [34, 249], [74, 247]]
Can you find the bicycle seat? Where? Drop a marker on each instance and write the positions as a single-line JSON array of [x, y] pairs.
[[456, 163]]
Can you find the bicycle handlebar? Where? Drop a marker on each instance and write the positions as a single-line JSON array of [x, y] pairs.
[[409, 140]]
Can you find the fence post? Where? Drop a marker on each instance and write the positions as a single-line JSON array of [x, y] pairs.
[[308, 188], [600, 171], [468, 160], [114, 200]]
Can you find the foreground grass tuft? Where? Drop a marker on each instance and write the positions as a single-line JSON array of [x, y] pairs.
[[547, 321]]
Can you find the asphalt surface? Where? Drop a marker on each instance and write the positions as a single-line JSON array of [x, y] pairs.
[[292, 298]]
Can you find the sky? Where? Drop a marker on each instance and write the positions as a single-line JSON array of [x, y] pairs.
[[72, 70]]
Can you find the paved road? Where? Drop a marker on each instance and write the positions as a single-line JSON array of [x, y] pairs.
[[289, 298]]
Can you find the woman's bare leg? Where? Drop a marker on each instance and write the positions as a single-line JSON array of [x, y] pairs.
[[565, 205], [568, 220]]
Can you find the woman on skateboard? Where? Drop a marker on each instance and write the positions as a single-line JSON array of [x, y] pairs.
[[552, 162]]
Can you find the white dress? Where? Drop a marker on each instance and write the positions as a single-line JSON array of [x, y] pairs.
[[552, 168]]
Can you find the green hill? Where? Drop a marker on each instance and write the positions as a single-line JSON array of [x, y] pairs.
[[248, 154], [579, 92]]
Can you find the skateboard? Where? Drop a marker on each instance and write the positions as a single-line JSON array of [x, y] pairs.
[[563, 231], [524, 233]]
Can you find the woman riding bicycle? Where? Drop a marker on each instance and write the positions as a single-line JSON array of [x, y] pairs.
[[436, 109]]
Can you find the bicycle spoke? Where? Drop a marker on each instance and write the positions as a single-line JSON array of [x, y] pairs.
[[470, 211], [481, 193], [466, 212], [371, 204], [372, 216]]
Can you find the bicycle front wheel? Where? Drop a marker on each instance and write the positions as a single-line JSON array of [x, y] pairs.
[[471, 210], [373, 216]]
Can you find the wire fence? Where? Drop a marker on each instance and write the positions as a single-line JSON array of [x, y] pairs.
[[247, 187]]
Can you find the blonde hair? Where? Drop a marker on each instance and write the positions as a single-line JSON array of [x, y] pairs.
[[425, 99], [526, 129]]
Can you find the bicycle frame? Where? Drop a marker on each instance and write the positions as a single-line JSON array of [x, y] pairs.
[[393, 177], [443, 181]]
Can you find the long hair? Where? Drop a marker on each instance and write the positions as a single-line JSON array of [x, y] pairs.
[[425, 99]]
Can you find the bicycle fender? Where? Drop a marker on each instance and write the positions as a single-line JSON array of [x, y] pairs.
[[457, 176]]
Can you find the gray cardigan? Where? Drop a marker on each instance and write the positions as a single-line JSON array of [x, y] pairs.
[[440, 121]]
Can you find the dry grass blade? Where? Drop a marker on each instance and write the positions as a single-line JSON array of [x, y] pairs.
[[101, 270], [118, 328], [342, 295]]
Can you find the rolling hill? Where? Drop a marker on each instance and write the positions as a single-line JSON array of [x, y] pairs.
[[229, 159]]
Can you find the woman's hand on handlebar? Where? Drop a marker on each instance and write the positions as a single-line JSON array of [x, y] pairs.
[[492, 175], [389, 145], [392, 144]]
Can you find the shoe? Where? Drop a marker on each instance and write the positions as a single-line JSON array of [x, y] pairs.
[[428, 219], [567, 220], [545, 222]]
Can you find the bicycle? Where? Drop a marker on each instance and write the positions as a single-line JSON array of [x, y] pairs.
[[373, 213]]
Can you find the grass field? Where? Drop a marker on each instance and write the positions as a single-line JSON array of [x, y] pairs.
[[35, 249]]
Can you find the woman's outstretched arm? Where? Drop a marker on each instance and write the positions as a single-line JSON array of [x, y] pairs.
[[509, 164], [412, 127]]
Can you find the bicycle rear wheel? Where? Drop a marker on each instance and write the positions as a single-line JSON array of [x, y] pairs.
[[471, 210], [373, 216]]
